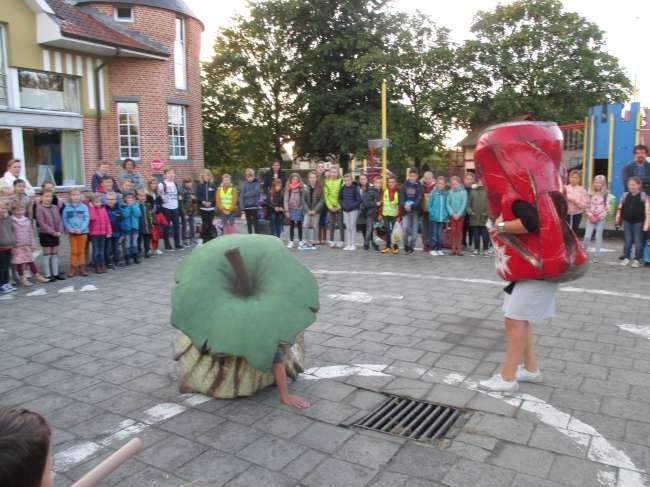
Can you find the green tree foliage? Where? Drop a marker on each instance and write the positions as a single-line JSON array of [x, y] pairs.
[[531, 56]]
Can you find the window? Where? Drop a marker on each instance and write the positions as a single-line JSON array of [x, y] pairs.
[[53, 155], [123, 14], [128, 130], [42, 90], [3, 69], [177, 132], [179, 55]]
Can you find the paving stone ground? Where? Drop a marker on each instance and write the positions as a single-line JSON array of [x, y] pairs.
[[97, 364]]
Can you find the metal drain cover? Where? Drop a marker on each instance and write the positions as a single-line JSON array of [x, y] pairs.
[[410, 418]]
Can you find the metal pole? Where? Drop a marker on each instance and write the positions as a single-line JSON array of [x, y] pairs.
[[384, 134], [610, 161], [585, 143], [592, 138]]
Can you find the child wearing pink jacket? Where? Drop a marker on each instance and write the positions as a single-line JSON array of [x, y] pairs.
[[99, 229]]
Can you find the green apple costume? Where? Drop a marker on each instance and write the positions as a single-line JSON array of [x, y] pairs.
[[231, 331]]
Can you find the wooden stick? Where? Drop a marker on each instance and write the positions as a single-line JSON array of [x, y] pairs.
[[104, 469], [244, 283]]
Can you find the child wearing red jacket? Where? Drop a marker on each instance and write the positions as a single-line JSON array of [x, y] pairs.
[[100, 229]]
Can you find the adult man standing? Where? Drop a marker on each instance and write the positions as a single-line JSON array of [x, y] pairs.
[[639, 168]]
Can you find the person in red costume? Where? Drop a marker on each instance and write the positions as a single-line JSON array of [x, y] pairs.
[[534, 246]]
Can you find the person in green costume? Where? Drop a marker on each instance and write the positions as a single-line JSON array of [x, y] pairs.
[[241, 323]]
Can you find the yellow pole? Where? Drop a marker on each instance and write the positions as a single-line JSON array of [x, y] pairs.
[[592, 138], [384, 134], [610, 161], [585, 142], [637, 135], [365, 166]]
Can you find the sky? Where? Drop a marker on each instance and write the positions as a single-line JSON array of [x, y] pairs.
[[626, 24]]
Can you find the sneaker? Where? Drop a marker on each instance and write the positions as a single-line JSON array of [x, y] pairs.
[[636, 264], [23, 281], [4, 289], [9, 288], [434, 253], [158, 252], [474, 253], [625, 262], [497, 384], [386, 250], [395, 251], [60, 277], [302, 245], [332, 244], [290, 244], [170, 249], [310, 246], [353, 248], [180, 248], [524, 375], [440, 253]]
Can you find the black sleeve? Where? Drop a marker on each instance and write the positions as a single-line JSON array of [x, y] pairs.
[[527, 214]]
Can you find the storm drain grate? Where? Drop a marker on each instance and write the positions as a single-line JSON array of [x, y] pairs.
[[408, 418]]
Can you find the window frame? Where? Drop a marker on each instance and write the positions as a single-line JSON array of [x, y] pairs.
[[123, 19], [180, 65], [4, 65], [65, 77], [175, 138], [129, 135]]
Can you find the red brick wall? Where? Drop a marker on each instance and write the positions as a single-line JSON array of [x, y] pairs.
[[153, 81]]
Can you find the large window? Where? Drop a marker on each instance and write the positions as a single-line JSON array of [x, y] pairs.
[[177, 131], [3, 69], [179, 55], [48, 91], [53, 155], [128, 130]]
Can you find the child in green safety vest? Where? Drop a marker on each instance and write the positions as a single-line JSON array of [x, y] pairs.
[[331, 194], [390, 212]]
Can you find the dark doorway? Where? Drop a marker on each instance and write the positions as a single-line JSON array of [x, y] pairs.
[[601, 167]]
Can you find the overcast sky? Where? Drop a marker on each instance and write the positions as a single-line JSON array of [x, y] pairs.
[[626, 24]]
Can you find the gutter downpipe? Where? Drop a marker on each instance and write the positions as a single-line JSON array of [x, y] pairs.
[[98, 108]]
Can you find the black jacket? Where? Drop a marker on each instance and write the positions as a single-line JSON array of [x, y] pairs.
[[268, 180], [206, 192], [369, 200]]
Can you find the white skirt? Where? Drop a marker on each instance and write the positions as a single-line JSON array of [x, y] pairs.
[[532, 301]]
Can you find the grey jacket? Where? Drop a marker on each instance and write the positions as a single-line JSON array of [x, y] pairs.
[[312, 200], [6, 234]]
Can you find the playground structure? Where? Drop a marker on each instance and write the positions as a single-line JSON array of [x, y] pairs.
[[602, 144]]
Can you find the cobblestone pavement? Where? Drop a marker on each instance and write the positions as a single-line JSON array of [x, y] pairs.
[[96, 363]]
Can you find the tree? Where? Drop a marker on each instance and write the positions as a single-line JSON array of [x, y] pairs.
[[533, 57], [249, 105]]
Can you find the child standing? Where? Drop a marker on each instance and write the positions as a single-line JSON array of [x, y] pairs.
[[390, 212], [428, 183], [75, 221], [368, 210], [20, 195], [206, 196], [226, 200], [331, 193], [50, 229], [293, 194], [25, 244], [438, 215], [97, 183], [597, 211], [477, 208], [350, 203], [312, 205], [577, 200], [188, 216], [633, 212], [275, 205], [100, 230], [155, 202], [146, 223], [7, 242], [114, 242], [249, 199], [130, 226], [456, 205], [410, 198]]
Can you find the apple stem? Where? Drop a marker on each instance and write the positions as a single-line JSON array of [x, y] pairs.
[[244, 284]]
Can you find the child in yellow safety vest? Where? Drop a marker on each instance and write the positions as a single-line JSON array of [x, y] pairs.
[[389, 212], [226, 199]]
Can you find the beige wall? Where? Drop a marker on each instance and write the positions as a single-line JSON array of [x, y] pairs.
[[20, 22]]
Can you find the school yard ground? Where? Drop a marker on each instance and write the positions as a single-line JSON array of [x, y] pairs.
[[93, 355]]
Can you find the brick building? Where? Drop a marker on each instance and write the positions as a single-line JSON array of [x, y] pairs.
[[87, 81]]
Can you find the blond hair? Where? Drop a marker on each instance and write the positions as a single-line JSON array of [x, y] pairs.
[[601, 179]]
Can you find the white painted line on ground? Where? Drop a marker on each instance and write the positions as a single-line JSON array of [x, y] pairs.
[[192, 400], [568, 289], [38, 292], [88, 287], [361, 297], [7, 297], [66, 459], [640, 330], [67, 289], [334, 371]]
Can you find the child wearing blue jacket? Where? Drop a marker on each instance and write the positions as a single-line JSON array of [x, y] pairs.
[[76, 219], [456, 207], [130, 226], [438, 215], [113, 244]]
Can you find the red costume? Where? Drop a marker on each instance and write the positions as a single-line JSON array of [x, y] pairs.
[[521, 161]]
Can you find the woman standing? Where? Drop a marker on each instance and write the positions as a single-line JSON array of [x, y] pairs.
[[12, 172], [128, 173], [205, 194]]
